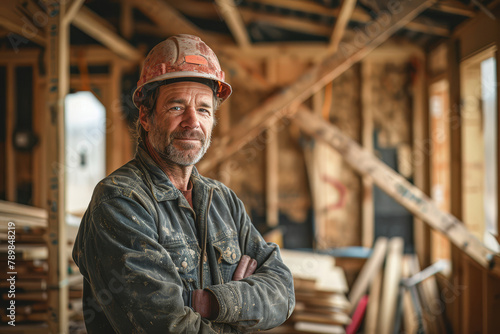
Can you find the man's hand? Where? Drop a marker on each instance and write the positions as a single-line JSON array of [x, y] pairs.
[[245, 268]]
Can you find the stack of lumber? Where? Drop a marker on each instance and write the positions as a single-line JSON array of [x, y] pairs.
[[320, 292], [24, 269], [392, 295]]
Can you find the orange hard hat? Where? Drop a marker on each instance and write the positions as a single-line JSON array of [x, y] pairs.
[[181, 56]]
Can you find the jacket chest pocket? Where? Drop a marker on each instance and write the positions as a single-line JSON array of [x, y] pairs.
[[229, 255], [186, 259]]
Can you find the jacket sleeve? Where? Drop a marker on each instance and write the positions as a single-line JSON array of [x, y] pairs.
[[134, 280], [265, 299]]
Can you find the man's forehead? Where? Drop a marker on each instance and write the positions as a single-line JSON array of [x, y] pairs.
[[186, 89]]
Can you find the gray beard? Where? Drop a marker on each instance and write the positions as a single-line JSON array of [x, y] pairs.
[[174, 155]]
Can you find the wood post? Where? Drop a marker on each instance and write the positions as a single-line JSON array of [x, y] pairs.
[[57, 88]]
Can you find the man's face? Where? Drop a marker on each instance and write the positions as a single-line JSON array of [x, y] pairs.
[[181, 127]]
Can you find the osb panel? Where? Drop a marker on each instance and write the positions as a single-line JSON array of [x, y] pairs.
[[390, 84], [339, 186], [294, 195]]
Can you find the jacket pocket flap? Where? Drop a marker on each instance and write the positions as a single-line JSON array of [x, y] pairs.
[[229, 250]]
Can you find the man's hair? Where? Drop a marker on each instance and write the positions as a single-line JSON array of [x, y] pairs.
[[148, 105]]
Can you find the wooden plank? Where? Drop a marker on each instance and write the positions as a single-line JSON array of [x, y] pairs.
[[341, 23], [369, 271], [396, 186], [233, 19], [89, 22], [367, 207], [10, 154], [410, 319], [272, 177], [372, 311], [390, 288], [281, 103], [57, 65], [21, 209]]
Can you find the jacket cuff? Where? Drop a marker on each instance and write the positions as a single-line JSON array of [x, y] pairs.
[[228, 300]]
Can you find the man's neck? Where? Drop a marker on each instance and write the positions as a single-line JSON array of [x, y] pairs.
[[178, 175]]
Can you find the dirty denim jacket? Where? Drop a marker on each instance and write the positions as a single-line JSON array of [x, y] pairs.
[[142, 250]]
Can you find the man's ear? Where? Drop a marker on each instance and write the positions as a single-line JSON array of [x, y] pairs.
[[143, 118]]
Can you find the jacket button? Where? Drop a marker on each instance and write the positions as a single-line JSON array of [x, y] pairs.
[[184, 264], [234, 256]]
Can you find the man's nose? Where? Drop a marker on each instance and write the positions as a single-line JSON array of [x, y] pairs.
[[190, 118]]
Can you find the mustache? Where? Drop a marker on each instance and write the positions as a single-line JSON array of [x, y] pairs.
[[188, 134]]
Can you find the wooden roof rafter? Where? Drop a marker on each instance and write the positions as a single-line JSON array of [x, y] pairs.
[[281, 104], [87, 21], [343, 18], [171, 21], [232, 17], [454, 7]]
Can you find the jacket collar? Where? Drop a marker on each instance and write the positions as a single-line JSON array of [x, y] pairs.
[[161, 186]]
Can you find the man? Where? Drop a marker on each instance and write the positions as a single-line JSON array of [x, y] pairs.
[[162, 248]]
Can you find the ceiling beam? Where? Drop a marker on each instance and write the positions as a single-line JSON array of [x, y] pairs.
[[72, 11], [341, 23], [233, 19], [168, 19], [14, 25], [454, 7], [89, 22], [284, 102], [286, 22]]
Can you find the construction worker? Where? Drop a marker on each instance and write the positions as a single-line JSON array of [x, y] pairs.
[[162, 248]]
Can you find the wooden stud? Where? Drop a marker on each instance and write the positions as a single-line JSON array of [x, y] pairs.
[[497, 59], [89, 22], [491, 303], [396, 186], [233, 19], [390, 288], [420, 159], [367, 205], [284, 102], [10, 154], [272, 177], [453, 78], [472, 298], [57, 87], [341, 23]]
